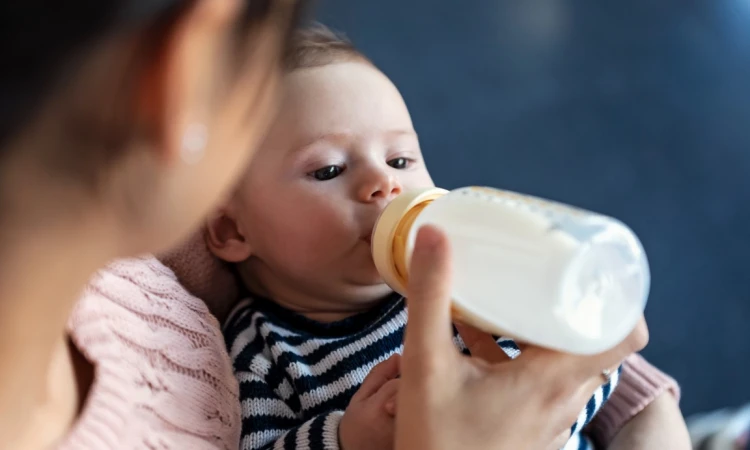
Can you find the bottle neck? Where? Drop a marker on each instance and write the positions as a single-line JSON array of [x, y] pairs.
[[400, 239]]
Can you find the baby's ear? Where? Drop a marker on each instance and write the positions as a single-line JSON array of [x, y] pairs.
[[225, 237]]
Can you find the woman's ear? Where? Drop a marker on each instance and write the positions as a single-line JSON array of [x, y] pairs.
[[226, 239], [179, 80]]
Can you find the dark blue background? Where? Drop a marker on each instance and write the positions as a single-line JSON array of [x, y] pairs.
[[639, 109]]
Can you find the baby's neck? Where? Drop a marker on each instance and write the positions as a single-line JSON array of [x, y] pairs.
[[324, 316], [326, 308]]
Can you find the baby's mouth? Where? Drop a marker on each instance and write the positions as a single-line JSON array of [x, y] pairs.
[[367, 237]]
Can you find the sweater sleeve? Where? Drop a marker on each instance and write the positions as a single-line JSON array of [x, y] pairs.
[[640, 384], [269, 422]]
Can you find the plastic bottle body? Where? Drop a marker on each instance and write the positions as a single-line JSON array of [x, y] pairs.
[[535, 270]]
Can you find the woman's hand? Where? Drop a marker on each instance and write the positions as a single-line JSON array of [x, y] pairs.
[[449, 401]]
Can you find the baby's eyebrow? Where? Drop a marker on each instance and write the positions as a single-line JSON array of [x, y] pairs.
[[344, 138], [399, 133], [341, 138]]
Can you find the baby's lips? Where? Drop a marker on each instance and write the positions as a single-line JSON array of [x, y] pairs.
[[367, 237]]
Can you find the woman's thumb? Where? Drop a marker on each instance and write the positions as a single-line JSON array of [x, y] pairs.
[[428, 331]]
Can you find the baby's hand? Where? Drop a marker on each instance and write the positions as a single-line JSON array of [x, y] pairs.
[[368, 421]]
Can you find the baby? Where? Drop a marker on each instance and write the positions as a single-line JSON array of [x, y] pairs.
[[319, 318]]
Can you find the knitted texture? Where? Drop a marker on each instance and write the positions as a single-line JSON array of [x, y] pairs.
[[202, 274], [162, 375], [297, 376], [640, 384]]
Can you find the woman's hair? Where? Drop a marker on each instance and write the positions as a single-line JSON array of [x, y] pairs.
[[46, 44], [317, 45]]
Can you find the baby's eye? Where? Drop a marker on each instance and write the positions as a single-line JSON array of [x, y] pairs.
[[399, 163], [327, 173]]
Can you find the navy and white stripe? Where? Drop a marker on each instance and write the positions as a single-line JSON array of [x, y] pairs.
[[297, 376]]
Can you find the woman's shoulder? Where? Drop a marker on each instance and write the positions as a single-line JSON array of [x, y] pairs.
[[158, 351]]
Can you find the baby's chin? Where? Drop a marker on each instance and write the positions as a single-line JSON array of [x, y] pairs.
[[369, 281], [362, 270], [364, 293]]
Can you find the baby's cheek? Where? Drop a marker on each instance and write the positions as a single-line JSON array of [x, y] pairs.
[[319, 228], [328, 243], [313, 243], [418, 179]]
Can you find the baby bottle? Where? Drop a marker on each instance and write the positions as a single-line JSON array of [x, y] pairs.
[[538, 271]]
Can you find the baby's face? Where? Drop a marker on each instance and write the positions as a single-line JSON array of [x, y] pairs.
[[342, 148]]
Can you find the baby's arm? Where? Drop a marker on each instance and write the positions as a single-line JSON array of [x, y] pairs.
[[269, 421], [642, 413]]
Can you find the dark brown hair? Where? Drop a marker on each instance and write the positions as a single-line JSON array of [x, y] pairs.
[[44, 42]]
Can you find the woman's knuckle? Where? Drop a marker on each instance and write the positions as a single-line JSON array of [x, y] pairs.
[[557, 393], [641, 337]]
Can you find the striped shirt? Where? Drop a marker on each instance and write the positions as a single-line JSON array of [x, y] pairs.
[[297, 375]]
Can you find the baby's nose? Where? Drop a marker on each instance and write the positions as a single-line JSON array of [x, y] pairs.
[[383, 187]]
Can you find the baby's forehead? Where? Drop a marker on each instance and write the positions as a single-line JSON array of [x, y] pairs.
[[351, 97]]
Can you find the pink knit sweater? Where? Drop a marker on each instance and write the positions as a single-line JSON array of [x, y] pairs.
[[163, 377], [164, 380]]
